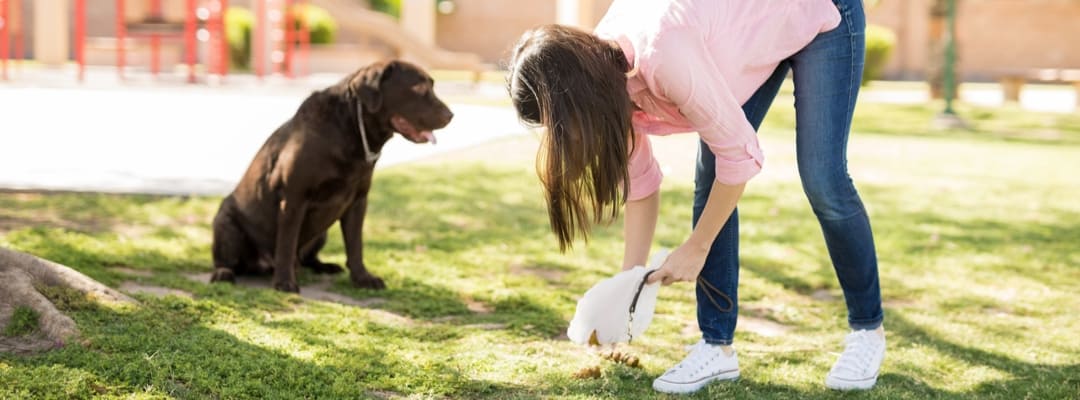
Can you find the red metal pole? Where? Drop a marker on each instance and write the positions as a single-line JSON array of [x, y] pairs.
[[190, 46], [155, 40], [20, 55], [305, 40], [224, 4], [259, 37], [121, 36], [80, 37], [289, 26], [4, 24]]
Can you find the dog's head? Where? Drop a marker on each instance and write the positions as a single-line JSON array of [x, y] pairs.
[[402, 95]]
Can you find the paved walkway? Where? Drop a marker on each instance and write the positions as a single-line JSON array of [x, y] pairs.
[[174, 139], [167, 137]]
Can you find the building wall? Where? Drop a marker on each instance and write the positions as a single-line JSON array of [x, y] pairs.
[[491, 27], [992, 35]]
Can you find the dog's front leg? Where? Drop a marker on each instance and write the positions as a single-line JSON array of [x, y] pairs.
[[352, 229], [290, 218]]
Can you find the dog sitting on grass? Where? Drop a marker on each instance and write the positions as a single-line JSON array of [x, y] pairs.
[[316, 169]]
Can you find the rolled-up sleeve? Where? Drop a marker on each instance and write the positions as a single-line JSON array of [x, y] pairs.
[[645, 175], [687, 76]]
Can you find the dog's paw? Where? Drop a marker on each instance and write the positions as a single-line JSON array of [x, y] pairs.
[[368, 281], [326, 268], [284, 286], [223, 275]]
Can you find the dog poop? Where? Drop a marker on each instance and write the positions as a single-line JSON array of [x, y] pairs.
[[593, 341], [623, 358], [588, 373]]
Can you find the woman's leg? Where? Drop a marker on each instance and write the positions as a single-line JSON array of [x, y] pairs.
[[722, 264], [827, 75]]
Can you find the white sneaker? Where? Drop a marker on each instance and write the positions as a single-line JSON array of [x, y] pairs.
[[858, 365], [704, 364]]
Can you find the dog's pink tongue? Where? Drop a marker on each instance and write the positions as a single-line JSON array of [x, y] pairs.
[[429, 136]]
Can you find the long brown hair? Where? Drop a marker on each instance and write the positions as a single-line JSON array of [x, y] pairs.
[[574, 84]]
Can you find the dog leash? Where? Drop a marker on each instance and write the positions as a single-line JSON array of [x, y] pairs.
[[701, 281], [633, 306], [368, 155]]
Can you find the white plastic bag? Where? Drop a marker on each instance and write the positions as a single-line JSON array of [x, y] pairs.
[[604, 310]]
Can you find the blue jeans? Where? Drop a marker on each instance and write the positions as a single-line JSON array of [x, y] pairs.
[[827, 75]]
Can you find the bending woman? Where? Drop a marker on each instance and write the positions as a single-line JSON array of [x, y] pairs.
[[659, 67]]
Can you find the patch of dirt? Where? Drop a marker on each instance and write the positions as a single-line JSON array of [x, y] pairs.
[[547, 274], [317, 291], [898, 303], [386, 394], [9, 222], [478, 307], [137, 288], [747, 323], [823, 295], [491, 326], [762, 326], [142, 273]]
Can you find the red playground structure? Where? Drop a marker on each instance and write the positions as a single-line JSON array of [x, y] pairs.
[[276, 33], [10, 28]]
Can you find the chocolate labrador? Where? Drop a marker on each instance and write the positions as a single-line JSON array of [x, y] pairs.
[[316, 169]]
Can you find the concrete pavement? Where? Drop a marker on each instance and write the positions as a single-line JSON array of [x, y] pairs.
[[173, 139]]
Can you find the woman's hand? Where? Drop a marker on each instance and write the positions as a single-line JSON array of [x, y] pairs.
[[686, 262], [682, 265]]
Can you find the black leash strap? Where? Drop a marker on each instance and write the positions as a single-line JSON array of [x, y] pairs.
[[633, 306], [707, 287]]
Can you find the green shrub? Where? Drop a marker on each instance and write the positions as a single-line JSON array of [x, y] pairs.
[[391, 7], [880, 42], [23, 322], [322, 27], [238, 25]]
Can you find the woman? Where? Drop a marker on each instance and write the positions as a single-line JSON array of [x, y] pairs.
[[711, 66]]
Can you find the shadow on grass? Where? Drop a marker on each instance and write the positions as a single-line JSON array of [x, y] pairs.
[[165, 347], [457, 212], [988, 124], [89, 212], [1028, 380]]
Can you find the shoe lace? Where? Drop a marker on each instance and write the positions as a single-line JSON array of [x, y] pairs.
[[698, 358], [858, 354]]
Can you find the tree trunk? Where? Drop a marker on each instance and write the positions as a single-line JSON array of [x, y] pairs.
[[21, 276]]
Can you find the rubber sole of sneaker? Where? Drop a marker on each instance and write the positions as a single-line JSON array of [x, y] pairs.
[[835, 383], [691, 387]]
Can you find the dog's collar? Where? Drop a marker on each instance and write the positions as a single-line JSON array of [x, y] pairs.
[[368, 155]]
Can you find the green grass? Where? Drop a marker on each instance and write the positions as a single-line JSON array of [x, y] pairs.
[[24, 321], [977, 238]]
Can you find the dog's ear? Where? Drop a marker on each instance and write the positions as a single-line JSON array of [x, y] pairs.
[[368, 84]]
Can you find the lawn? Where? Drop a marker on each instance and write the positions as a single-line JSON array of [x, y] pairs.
[[977, 234]]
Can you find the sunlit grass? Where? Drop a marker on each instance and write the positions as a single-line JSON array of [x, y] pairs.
[[977, 237]]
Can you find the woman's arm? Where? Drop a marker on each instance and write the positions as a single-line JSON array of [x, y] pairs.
[[639, 225], [685, 263]]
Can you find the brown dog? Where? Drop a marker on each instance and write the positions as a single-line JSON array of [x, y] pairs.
[[316, 169]]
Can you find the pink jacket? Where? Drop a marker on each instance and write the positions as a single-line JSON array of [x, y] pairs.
[[695, 62]]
